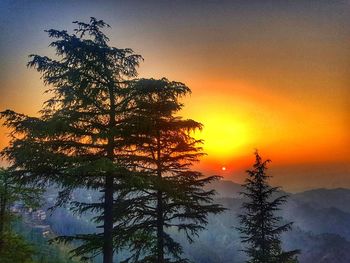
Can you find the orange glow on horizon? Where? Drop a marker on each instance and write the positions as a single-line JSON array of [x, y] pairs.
[[245, 118]]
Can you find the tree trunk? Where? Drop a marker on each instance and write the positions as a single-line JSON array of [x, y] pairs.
[[160, 231], [109, 187], [108, 221], [160, 237]]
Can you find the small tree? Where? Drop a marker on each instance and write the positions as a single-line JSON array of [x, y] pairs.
[[163, 151], [13, 248], [260, 226]]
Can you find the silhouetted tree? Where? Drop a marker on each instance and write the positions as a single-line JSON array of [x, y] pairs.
[[164, 150], [260, 226], [76, 141]]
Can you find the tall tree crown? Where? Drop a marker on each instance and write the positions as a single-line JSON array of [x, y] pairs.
[[155, 124], [86, 82]]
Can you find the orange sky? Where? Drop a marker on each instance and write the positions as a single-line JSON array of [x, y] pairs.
[[268, 76]]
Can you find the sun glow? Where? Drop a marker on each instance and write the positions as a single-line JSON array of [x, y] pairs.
[[224, 136]]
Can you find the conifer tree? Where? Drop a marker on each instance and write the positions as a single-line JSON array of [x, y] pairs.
[[163, 151], [76, 141], [261, 227]]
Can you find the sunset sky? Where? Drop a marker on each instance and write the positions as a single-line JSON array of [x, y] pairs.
[[271, 75]]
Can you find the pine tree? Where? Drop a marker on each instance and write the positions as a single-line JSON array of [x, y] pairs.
[[76, 141], [163, 151], [260, 226]]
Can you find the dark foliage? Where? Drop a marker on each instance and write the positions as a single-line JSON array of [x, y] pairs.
[[163, 151], [13, 248], [260, 226], [104, 131]]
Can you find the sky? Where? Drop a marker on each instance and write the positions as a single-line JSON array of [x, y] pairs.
[[266, 75]]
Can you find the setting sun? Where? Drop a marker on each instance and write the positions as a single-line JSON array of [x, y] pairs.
[[224, 135]]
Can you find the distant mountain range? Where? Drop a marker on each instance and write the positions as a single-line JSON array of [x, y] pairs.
[[225, 189], [321, 223], [326, 198], [321, 226]]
